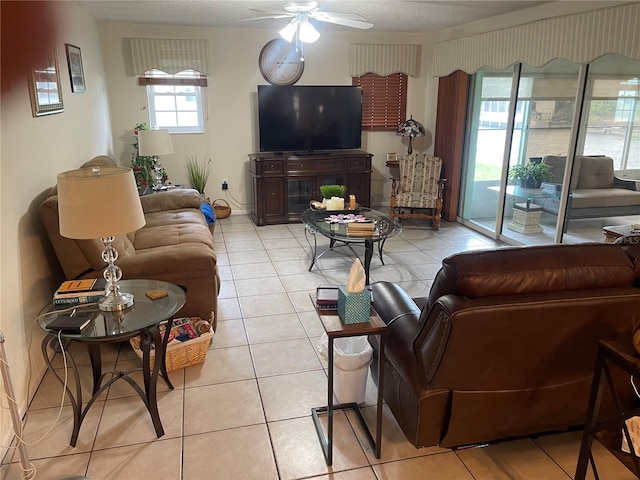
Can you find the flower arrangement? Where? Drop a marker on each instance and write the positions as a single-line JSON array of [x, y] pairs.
[[198, 174], [143, 166]]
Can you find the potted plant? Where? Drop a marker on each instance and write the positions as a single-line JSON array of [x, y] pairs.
[[531, 175], [198, 174], [329, 191], [143, 166]]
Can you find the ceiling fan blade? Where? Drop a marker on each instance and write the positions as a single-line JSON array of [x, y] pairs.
[[279, 14], [346, 19], [269, 17], [266, 16]]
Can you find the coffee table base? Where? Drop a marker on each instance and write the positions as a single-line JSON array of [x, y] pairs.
[[368, 249]]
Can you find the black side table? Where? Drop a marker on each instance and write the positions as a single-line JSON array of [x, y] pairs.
[[608, 431], [335, 328], [141, 319]]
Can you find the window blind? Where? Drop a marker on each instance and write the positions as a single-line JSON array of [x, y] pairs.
[[384, 102]]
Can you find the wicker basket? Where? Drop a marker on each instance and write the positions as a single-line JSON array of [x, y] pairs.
[[181, 354], [221, 211]]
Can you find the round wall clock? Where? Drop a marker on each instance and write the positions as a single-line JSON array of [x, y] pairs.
[[280, 62]]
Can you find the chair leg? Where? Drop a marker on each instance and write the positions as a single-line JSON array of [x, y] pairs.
[[392, 200]]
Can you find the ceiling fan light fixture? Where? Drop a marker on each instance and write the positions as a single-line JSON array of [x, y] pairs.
[[289, 31], [307, 32]]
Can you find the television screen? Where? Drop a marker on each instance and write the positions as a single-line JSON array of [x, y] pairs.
[[305, 119]]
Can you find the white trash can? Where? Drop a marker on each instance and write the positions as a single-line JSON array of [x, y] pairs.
[[351, 359]]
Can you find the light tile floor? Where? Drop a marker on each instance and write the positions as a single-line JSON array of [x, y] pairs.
[[245, 413]]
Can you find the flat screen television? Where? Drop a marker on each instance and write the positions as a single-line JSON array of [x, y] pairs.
[[308, 119]]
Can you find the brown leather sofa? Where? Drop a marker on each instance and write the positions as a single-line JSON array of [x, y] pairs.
[[505, 344], [175, 246]]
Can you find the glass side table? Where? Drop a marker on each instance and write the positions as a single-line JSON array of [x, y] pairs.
[[143, 319], [336, 328]]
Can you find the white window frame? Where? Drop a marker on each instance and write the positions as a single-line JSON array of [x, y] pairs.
[[152, 95]]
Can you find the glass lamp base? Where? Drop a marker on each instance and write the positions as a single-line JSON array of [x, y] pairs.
[[114, 302]]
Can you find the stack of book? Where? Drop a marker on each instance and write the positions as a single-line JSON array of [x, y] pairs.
[[78, 292], [361, 228]]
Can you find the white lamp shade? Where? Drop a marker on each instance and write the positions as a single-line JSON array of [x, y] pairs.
[[308, 33], [152, 143], [289, 31], [94, 205]]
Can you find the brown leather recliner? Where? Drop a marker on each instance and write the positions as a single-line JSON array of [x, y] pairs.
[[505, 344], [175, 246]]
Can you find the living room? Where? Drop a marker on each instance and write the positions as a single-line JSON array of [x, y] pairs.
[[101, 121]]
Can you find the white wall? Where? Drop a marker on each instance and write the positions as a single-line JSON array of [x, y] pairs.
[[33, 151], [231, 119]]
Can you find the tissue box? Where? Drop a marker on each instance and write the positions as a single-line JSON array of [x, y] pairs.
[[354, 307]]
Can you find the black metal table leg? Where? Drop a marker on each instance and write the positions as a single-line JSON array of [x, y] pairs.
[[52, 341], [327, 442], [368, 255]]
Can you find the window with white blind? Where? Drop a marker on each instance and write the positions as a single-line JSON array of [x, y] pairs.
[[384, 100], [175, 101]]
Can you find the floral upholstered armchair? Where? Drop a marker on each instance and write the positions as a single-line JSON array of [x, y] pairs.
[[419, 191]]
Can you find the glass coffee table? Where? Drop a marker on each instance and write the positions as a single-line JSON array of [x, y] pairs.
[[143, 318], [339, 237]]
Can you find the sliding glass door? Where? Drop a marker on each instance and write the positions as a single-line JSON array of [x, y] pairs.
[[486, 142], [540, 144], [539, 119]]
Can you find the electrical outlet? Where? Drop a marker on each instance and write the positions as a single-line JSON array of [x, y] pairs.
[[225, 184]]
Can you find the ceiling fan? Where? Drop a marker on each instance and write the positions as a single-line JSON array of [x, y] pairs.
[[302, 12]]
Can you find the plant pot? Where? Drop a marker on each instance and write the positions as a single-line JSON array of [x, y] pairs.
[[530, 183]]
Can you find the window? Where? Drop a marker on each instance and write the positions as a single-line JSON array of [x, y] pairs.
[[175, 101], [612, 113], [384, 102]]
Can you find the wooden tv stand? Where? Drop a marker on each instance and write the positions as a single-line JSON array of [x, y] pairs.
[[282, 185]]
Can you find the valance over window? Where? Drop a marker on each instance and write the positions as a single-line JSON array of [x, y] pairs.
[[384, 60], [169, 55], [579, 38]]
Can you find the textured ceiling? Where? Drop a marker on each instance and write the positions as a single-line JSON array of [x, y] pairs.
[[386, 15]]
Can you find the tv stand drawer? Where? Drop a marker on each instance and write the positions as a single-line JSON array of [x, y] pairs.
[[316, 165]]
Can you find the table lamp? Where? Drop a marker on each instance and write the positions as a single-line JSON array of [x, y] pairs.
[[101, 202], [153, 143], [412, 129]]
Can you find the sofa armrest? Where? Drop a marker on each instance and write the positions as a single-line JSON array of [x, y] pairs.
[[171, 200], [626, 184]]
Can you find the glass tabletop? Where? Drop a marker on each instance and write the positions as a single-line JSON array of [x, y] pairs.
[[126, 323], [318, 220]]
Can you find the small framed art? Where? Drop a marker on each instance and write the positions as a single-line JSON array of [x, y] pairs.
[[76, 72]]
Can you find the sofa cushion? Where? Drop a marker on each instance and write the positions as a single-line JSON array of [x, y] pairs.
[[174, 199], [595, 172], [535, 269], [598, 197], [168, 235], [174, 217]]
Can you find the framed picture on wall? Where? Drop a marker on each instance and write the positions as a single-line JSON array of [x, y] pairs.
[[76, 73], [45, 88]]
